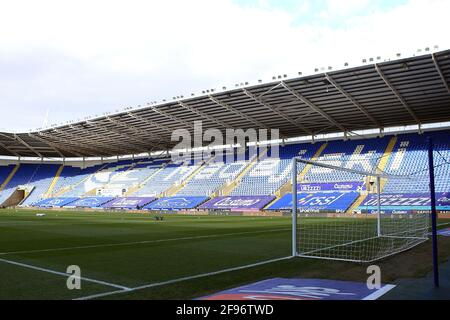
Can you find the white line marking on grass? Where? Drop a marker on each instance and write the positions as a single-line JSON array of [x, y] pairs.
[[380, 292], [163, 283], [141, 242], [123, 288]]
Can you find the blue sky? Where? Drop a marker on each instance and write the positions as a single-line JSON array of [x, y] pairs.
[[324, 12], [79, 58]]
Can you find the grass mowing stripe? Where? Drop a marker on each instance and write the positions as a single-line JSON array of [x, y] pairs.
[[29, 266], [142, 242], [202, 275]]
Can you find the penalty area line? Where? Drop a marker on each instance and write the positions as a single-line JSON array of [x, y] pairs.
[[163, 283], [29, 266]]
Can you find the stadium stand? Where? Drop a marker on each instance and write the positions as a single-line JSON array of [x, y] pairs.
[[409, 161], [189, 185], [171, 175], [93, 179], [35, 178], [40, 181], [213, 175], [269, 174], [4, 173], [71, 177], [352, 154]]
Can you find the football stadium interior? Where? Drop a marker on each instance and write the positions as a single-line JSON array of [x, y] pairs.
[[99, 180]]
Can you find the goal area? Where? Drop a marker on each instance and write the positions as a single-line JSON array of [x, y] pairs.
[[351, 224]]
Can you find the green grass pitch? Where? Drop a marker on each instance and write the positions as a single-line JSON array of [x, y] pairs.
[[116, 251]]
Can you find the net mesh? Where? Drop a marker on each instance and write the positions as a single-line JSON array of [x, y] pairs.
[[348, 225]]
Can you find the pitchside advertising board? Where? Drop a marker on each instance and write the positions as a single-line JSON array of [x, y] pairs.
[[91, 202], [313, 202], [129, 202], [405, 202], [55, 202], [302, 289], [238, 203], [444, 232], [175, 203], [335, 186]]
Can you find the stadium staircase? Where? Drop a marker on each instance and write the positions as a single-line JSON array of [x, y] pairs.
[[385, 159], [135, 189], [228, 188], [59, 193], [176, 188], [54, 181], [287, 187], [9, 177], [380, 168], [93, 191], [115, 177]]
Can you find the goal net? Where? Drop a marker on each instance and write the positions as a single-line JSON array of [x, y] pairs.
[[344, 214]]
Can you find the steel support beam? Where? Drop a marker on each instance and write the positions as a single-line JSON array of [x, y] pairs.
[[171, 117], [28, 146], [80, 142], [312, 106], [119, 145], [237, 112], [204, 115], [138, 143], [50, 144], [352, 100], [241, 114], [149, 122], [277, 112], [9, 150], [441, 75], [136, 130], [397, 94]]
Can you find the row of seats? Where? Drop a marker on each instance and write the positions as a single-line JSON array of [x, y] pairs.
[[271, 172], [407, 167], [214, 174]]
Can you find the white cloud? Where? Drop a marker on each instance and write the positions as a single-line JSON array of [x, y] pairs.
[[85, 57]]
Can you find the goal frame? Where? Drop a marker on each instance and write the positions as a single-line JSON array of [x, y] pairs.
[[295, 160]]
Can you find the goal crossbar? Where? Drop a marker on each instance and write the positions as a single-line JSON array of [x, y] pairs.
[[333, 167]]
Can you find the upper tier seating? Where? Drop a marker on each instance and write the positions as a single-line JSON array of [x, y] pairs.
[[71, 176], [407, 166], [269, 174], [361, 155], [213, 175], [5, 171], [95, 177], [40, 180], [170, 175], [409, 161], [29, 175]]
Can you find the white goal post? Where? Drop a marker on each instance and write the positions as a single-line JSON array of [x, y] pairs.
[[352, 236]]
